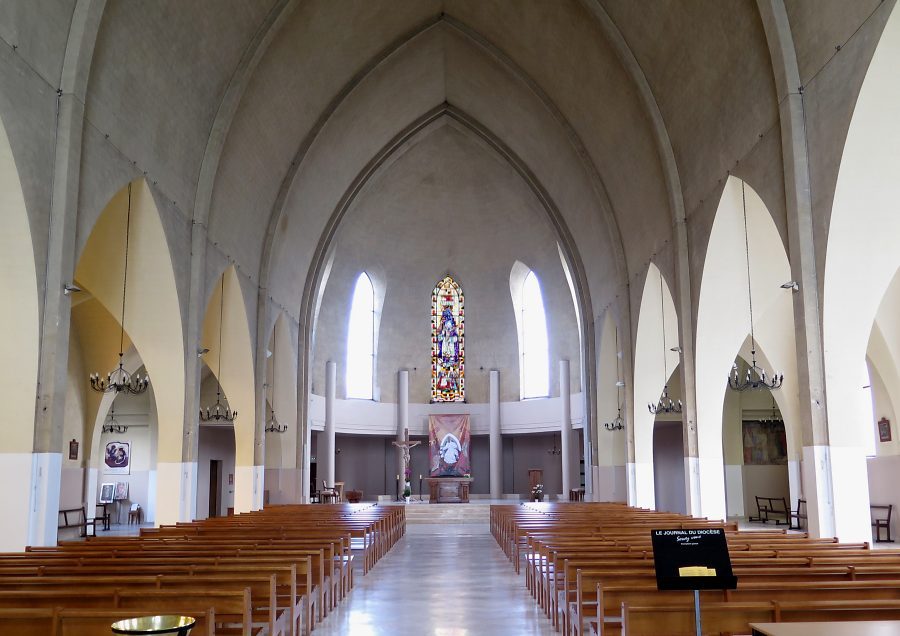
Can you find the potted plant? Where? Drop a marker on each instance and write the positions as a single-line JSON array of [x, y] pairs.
[[537, 493]]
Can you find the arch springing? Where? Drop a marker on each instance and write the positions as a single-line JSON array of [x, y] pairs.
[[361, 340]]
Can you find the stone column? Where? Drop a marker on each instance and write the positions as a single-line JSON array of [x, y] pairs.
[[496, 441], [326, 451], [402, 418], [565, 427]]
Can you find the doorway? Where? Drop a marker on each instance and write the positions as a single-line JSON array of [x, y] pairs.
[[215, 487]]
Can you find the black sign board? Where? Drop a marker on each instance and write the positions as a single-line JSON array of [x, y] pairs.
[[694, 559]]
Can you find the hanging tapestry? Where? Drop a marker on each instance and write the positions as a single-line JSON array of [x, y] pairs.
[[765, 443], [448, 445], [448, 368]]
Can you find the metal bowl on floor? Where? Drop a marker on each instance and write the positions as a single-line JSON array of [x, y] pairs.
[[180, 625]]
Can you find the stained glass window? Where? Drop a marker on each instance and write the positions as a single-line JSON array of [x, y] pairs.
[[448, 358], [361, 340]]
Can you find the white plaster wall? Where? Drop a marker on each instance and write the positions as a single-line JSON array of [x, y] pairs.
[[884, 475]]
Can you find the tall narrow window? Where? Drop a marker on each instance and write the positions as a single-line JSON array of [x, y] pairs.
[[361, 340], [448, 343], [535, 356]]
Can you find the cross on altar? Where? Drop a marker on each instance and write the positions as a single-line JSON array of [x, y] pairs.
[[404, 447]]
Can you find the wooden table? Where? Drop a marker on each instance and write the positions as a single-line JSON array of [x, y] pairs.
[[845, 628], [449, 489]]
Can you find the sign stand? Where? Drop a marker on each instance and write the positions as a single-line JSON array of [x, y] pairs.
[[693, 559]]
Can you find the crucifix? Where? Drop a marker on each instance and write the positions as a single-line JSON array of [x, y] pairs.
[[404, 447]]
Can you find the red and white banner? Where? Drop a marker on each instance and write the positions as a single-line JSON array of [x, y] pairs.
[[448, 445]]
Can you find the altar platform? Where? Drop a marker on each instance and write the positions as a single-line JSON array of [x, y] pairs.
[[477, 512]]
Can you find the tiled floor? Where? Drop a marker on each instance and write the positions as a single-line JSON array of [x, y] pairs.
[[440, 580]]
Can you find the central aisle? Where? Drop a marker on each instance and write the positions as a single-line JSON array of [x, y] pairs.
[[440, 580]]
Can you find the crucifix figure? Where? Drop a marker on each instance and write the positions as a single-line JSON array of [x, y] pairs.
[[404, 447]]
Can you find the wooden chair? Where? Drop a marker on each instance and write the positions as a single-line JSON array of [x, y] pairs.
[[799, 514], [882, 523], [327, 495], [135, 514]]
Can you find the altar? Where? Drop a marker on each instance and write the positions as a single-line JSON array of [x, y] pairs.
[[449, 489]]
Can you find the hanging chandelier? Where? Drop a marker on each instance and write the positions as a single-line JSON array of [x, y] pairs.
[[218, 412], [665, 404], [119, 380], [776, 414], [618, 423], [111, 425], [756, 377], [273, 425]]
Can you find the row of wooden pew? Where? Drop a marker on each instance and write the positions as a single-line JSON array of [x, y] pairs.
[[590, 568], [275, 572]]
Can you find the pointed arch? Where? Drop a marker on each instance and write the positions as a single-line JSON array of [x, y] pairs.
[[654, 364], [723, 332], [152, 319], [19, 311], [360, 367], [531, 327], [237, 380], [861, 259]]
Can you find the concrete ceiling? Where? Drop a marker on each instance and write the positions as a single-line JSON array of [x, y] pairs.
[[278, 106]]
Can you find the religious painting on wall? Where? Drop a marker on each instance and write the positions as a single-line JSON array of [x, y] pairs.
[[448, 368], [448, 445], [765, 443], [117, 459], [884, 430]]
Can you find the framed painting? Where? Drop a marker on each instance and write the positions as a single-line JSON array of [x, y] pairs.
[[107, 492], [117, 458], [121, 491], [73, 449], [884, 430]]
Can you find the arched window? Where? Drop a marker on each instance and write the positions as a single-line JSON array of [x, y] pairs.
[[448, 339], [361, 340], [535, 367]]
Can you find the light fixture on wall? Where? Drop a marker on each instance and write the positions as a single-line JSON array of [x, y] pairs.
[[219, 413], [618, 423], [665, 404], [112, 425], [756, 377], [273, 425], [119, 380]]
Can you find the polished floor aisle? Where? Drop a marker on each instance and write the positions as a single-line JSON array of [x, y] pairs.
[[440, 580]]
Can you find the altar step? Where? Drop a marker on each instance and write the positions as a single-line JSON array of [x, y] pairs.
[[447, 513]]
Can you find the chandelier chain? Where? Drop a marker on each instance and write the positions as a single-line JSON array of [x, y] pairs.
[[749, 285]]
